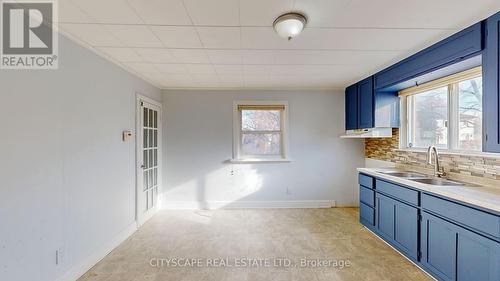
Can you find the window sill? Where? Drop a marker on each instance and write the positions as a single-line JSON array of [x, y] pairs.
[[453, 152], [257, 161]]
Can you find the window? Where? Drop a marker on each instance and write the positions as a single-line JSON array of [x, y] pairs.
[[260, 131], [446, 113]]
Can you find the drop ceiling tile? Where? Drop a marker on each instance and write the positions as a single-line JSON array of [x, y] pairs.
[[143, 68], [257, 69], [178, 78], [263, 38], [156, 55], [230, 78], [109, 11], [135, 35], [70, 13], [92, 34], [339, 57], [177, 36], [214, 12], [225, 56], [172, 68], [238, 84], [205, 78], [121, 54], [258, 57], [424, 13], [200, 68], [263, 12], [366, 39], [161, 12], [190, 56], [220, 37], [229, 69]]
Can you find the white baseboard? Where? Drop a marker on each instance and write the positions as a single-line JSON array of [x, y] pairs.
[[211, 205], [78, 270]]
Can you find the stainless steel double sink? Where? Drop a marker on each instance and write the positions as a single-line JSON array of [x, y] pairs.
[[421, 178]]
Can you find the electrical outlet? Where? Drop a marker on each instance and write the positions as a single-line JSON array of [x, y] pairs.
[[59, 255]]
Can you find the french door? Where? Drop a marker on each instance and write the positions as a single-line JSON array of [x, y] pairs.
[[148, 158]]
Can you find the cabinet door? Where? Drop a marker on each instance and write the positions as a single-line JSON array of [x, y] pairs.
[[385, 216], [351, 107], [455, 48], [478, 258], [439, 247], [491, 78], [366, 104], [406, 229]]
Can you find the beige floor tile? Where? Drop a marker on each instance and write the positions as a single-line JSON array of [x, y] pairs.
[[294, 234]]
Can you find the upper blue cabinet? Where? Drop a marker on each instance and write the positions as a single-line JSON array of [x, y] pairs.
[[455, 48], [351, 107], [366, 108], [491, 90], [366, 104]]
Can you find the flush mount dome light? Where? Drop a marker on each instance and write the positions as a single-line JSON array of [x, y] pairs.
[[289, 25]]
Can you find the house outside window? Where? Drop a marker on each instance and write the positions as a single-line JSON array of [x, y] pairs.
[[446, 113], [260, 130]]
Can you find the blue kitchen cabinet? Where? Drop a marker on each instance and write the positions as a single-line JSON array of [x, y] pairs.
[[451, 252], [491, 88], [366, 201], [366, 104], [439, 247], [459, 46], [351, 107], [478, 258], [398, 222]]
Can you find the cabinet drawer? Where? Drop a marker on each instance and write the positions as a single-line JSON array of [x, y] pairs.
[[398, 192], [470, 217], [365, 181], [366, 214], [367, 196]]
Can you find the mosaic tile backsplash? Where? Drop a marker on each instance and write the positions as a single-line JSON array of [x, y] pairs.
[[476, 166]]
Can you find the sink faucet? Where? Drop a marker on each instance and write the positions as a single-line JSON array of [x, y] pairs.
[[437, 169]]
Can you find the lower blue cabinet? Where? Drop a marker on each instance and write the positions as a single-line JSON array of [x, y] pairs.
[[398, 223], [445, 239], [451, 252], [438, 241]]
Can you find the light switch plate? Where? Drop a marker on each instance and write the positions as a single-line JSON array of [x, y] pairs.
[[127, 136]]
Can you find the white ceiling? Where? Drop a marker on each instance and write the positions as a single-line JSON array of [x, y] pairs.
[[231, 43]]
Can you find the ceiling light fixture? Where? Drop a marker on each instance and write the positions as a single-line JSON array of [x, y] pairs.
[[289, 25]]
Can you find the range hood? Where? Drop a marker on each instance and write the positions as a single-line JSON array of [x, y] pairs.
[[368, 133]]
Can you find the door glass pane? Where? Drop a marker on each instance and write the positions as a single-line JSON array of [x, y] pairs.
[[146, 180], [155, 138], [150, 158], [429, 118], [155, 119], [150, 137], [155, 157], [145, 138], [155, 179], [261, 144], [150, 118], [145, 117], [470, 114], [260, 120], [145, 159]]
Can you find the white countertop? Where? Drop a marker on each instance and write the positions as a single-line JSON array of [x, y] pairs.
[[482, 196]]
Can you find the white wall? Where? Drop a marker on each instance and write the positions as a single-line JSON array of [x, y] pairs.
[[198, 138], [66, 177]]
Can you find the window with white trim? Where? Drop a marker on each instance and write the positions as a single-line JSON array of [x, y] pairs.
[[446, 113], [260, 131]]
